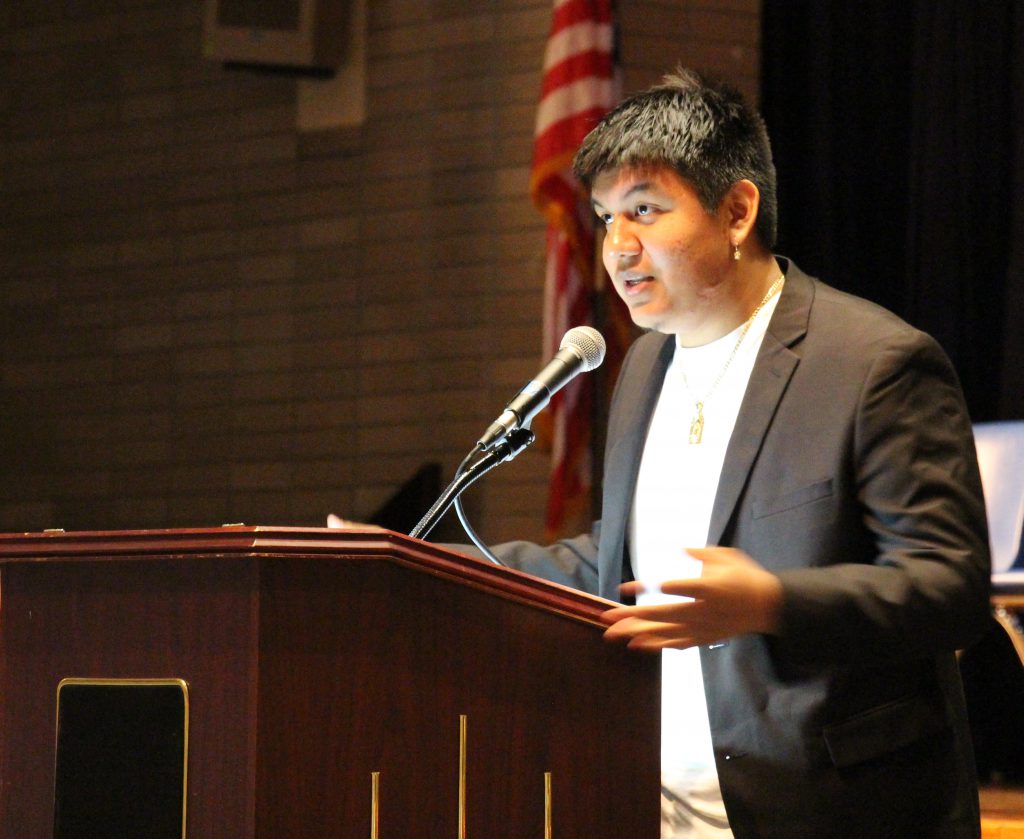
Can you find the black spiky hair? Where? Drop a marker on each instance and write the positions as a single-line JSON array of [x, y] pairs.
[[702, 128]]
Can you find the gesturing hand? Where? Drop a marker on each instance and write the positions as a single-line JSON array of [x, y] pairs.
[[732, 596]]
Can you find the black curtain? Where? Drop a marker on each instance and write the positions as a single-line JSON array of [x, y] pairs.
[[896, 135]]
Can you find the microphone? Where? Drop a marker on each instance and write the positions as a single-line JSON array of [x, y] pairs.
[[581, 350]]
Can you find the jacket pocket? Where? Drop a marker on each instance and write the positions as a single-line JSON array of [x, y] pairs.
[[884, 729], [787, 501]]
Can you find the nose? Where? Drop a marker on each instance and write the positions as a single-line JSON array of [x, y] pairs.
[[620, 241]]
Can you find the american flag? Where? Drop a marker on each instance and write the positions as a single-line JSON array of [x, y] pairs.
[[578, 89]]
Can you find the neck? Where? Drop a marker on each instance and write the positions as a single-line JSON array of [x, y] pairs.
[[731, 302]]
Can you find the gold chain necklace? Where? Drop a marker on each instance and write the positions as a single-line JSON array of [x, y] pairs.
[[697, 423]]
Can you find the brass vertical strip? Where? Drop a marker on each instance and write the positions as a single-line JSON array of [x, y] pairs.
[[462, 776], [374, 803], [547, 806], [181, 683]]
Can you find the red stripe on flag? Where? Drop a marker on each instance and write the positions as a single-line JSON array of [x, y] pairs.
[[579, 11], [579, 66]]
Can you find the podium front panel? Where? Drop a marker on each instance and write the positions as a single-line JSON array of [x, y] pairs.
[[339, 685]]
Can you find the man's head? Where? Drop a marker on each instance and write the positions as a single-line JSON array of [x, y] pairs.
[[702, 130]]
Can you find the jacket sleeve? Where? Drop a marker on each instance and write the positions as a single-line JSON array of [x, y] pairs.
[[926, 587], [568, 562]]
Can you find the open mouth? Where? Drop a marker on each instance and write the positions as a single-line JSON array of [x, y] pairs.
[[633, 282]]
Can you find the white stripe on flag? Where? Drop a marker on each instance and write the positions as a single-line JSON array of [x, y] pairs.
[[572, 99], [580, 37]]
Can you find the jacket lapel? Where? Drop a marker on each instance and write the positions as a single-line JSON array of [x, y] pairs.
[[622, 460], [772, 371]]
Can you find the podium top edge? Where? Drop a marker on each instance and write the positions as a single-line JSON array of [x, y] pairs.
[[240, 540], [228, 537], [171, 532]]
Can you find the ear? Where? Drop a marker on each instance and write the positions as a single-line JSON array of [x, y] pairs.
[[739, 210]]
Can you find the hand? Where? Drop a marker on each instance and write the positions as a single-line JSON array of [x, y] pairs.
[[732, 596], [338, 523]]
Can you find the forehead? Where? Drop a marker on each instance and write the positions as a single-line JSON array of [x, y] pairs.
[[618, 184]]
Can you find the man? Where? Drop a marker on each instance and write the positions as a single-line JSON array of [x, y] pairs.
[[791, 495]]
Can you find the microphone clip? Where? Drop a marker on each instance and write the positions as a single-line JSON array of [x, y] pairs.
[[513, 444]]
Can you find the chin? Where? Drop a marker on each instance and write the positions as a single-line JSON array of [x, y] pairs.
[[651, 323]]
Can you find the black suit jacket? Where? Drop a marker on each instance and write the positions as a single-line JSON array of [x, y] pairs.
[[851, 474]]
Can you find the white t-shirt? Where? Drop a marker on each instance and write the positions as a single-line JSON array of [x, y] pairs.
[[675, 493]]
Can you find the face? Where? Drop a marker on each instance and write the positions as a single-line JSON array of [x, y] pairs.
[[666, 255]]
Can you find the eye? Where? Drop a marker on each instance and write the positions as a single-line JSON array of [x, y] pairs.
[[606, 218], [644, 209]]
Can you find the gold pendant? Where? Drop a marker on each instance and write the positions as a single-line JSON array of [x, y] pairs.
[[697, 425]]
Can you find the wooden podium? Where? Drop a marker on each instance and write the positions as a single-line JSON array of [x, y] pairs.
[[339, 683]]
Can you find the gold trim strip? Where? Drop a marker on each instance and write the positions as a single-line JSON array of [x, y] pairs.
[[462, 775], [547, 806], [374, 804]]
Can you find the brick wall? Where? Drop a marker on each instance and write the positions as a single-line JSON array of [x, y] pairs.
[[209, 316]]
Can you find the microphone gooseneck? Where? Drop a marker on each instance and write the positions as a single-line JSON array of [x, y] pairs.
[[581, 350]]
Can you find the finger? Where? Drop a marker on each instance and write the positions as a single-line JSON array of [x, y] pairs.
[[631, 627], [616, 614], [686, 587], [654, 611], [639, 633], [657, 643], [678, 612], [632, 588], [654, 635], [715, 556]]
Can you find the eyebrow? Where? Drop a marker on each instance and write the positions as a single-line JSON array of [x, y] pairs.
[[641, 186]]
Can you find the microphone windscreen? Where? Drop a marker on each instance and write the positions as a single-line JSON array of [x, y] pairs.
[[588, 342]]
